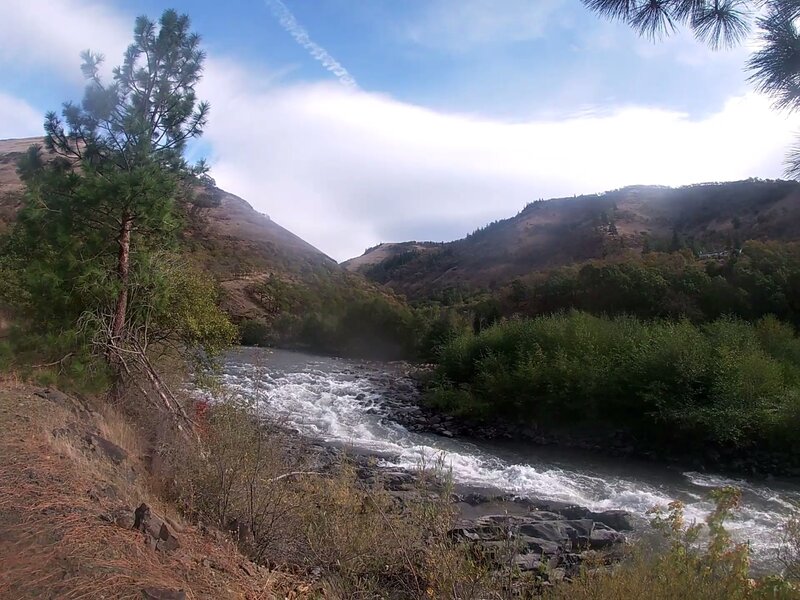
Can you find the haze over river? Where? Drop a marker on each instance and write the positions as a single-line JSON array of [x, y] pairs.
[[339, 401]]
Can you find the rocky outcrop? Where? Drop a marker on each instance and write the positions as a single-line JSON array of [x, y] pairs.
[[552, 539], [157, 535], [538, 535]]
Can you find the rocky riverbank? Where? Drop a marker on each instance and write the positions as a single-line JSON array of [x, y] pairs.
[[403, 403], [548, 539]]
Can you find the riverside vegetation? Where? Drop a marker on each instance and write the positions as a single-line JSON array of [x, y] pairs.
[[726, 386], [105, 301]]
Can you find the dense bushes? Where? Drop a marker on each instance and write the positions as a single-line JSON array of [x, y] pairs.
[[723, 383]]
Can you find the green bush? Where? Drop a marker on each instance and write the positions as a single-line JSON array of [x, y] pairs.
[[727, 382], [254, 333]]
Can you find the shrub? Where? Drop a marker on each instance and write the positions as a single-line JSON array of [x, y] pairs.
[[254, 333], [725, 383], [285, 510], [789, 552], [698, 563]]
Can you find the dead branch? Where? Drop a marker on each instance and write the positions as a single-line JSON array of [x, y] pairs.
[[128, 353], [60, 362]]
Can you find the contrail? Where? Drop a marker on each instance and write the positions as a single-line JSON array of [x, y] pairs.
[[300, 35]]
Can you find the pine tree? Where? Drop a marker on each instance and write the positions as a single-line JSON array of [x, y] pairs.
[[94, 250], [128, 138], [775, 66]]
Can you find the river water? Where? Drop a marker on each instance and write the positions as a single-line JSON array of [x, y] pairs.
[[338, 401]]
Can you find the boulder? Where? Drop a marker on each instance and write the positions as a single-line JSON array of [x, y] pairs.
[[107, 448], [568, 534], [540, 546], [58, 397], [399, 480], [602, 538], [552, 531], [615, 519], [544, 515], [157, 534], [529, 562]]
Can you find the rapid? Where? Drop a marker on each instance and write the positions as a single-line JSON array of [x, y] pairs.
[[342, 402]]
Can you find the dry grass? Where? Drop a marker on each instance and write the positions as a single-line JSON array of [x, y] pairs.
[[57, 499], [11, 379], [353, 539], [114, 426]]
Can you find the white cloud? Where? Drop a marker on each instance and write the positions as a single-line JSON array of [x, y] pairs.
[[346, 169], [18, 119], [55, 32]]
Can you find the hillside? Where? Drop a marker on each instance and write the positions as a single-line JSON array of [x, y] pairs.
[[225, 235], [72, 477], [265, 271], [707, 217]]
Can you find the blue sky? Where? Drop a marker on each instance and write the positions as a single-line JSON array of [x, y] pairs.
[[418, 119], [532, 57]]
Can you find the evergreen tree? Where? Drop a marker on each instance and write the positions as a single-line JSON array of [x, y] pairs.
[[94, 248], [128, 138], [775, 66]]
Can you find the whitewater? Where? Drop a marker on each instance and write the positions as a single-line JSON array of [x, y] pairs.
[[338, 401]]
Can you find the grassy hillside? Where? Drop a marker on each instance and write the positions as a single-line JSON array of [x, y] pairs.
[[707, 218]]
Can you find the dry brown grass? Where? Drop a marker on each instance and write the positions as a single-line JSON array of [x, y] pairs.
[[54, 540], [353, 539], [116, 427], [11, 379]]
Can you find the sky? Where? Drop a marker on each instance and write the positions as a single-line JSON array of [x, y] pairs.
[[355, 122]]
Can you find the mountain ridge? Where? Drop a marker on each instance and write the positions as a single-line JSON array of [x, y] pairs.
[[545, 234]]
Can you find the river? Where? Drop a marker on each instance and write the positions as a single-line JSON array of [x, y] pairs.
[[337, 401]]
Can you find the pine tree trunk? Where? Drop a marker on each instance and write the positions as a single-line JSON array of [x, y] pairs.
[[123, 262], [118, 323]]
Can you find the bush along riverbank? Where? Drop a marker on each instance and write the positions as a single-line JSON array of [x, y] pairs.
[[721, 395]]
